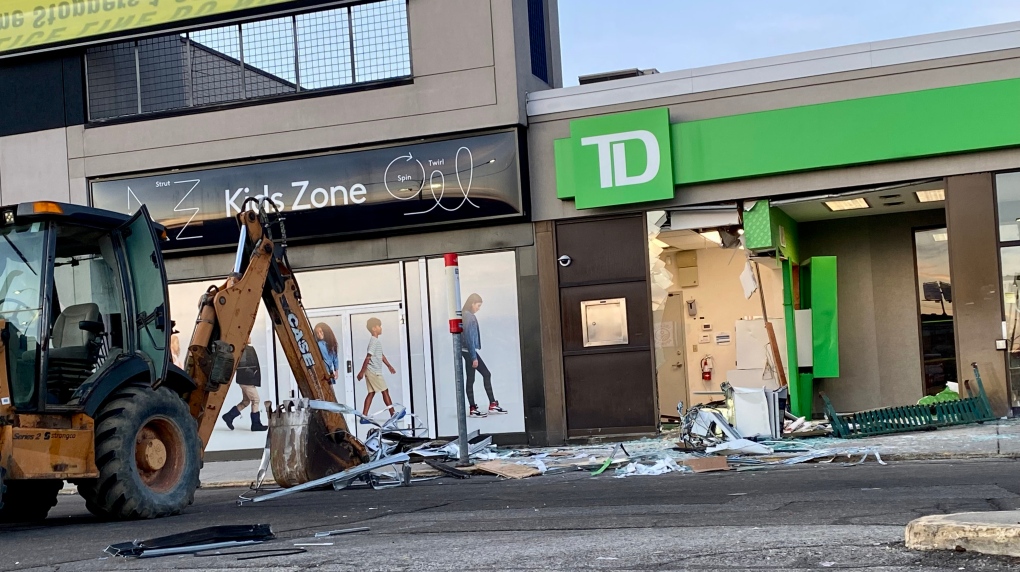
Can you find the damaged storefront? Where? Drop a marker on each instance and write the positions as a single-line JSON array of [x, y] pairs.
[[361, 226], [843, 245]]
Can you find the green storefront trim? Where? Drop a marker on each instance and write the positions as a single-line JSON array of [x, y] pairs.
[[883, 128], [908, 125]]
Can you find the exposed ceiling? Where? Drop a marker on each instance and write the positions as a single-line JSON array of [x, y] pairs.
[[685, 240], [887, 200]]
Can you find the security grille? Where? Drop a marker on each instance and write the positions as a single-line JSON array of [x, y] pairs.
[[327, 49]]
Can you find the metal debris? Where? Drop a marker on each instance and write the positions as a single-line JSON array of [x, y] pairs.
[[200, 540], [339, 480], [340, 532], [447, 469]]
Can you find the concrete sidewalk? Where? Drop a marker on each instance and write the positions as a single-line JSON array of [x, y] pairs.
[[231, 474], [1000, 438], [984, 532]]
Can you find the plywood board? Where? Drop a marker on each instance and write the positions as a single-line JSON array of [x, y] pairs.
[[707, 464], [508, 470]]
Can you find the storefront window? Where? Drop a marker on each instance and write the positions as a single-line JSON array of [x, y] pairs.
[[1007, 194], [254, 383], [1010, 256], [1007, 190], [491, 344], [935, 304]]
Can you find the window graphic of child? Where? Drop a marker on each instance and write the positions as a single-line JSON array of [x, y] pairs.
[[371, 370]]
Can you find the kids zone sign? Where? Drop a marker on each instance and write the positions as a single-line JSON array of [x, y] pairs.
[[422, 184], [616, 159]]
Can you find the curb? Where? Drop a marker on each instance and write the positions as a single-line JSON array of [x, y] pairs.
[[896, 457], [228, 484], [943, 456], [223, 484], [984, 532]]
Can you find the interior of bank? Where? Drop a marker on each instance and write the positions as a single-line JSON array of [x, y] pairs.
[[862, 276]]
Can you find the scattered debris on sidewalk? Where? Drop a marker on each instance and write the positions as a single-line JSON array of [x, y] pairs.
[[707, 464], [508, 470], [800, 428], [706, 440], [447, 469], [740, 447]]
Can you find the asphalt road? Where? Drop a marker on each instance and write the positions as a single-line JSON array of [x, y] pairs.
[[799, 518]]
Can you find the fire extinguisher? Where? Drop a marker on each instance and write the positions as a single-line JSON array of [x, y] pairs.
[[707, 364]]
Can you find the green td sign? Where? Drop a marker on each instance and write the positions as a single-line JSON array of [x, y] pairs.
[[616, 159]]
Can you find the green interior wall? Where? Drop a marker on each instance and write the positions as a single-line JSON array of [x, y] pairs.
[[767, 228], [798, 405], [785, 237], [818, 291]]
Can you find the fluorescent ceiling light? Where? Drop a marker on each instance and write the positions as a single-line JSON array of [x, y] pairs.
[[940, 236], [847, 205], [931, 196], [713, 236]]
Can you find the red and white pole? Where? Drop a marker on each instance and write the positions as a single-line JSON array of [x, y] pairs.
[[453, 293], [455, 315]]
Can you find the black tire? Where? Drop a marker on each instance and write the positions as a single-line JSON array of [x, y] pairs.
[[129, 486], [87, 490], [29, 500]]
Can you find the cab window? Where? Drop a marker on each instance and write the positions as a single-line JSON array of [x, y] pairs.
[[22, 262], [87, 309]]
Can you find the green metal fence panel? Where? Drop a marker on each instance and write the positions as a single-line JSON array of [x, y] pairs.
[[899, 419]]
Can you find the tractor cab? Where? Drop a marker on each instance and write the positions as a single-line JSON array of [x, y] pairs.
[[82, 298]]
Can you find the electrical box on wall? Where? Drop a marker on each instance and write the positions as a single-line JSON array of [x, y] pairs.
[[686, 262]]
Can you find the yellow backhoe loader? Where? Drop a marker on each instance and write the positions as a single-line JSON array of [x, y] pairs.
[[88, 393]]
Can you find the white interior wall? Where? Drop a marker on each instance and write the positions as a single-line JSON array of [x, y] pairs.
[[720, 303]]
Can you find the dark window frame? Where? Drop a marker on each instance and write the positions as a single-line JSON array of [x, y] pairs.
[[538, 29], [400, 63]]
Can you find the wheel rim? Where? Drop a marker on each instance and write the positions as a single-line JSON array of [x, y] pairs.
[[159, 454]]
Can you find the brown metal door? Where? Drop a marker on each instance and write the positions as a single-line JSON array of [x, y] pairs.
[[609, 389]]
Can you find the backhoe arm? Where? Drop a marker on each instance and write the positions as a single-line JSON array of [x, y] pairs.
[[225, 320]]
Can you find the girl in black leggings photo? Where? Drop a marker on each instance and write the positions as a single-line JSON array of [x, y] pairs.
[[471, 343]]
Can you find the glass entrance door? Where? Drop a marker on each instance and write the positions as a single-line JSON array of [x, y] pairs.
[[347, 335], [935, 305]]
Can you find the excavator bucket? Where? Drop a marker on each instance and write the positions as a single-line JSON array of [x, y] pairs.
[[303, 450]]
